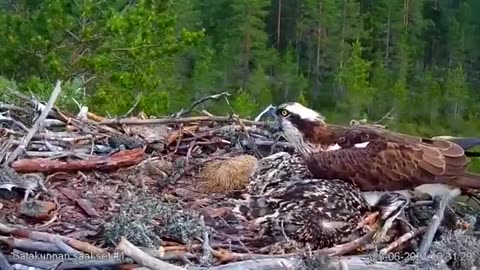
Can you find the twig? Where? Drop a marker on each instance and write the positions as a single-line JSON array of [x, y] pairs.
[[268, 110], [19, 124], [142, 258], [57, 240], [118, 160], [135, 104], [47, 237], [225, 256], [36, 125], [27, 244], [14, 108], [198, 102], [435, 222], [5, 147], [403, 239], [80, 153], [207, 250], [176, 121], [386, 116], [205, 112], [347, 247]]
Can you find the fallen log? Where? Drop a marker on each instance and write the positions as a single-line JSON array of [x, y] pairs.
[[118, 160]]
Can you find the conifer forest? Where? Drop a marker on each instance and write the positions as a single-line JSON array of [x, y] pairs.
[[349, 59]]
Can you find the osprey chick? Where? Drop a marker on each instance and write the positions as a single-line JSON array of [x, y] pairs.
[[287, 204]]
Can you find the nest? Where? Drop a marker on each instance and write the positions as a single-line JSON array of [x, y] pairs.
[[127, 183], [227, 175]]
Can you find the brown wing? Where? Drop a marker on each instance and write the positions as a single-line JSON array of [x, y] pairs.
[[387, 165], [377, 132]]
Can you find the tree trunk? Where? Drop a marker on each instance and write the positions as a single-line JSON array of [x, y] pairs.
[[279, 23]]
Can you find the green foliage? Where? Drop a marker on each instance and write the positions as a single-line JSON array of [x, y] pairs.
[[5, 86], [244, 104], [354, 77], [456, 91], [117, 50], [260, 88]]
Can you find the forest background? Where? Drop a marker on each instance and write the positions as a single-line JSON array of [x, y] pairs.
[[348, 59]]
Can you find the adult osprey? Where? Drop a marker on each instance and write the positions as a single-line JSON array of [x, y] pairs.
[[372, 158], [287, 204]]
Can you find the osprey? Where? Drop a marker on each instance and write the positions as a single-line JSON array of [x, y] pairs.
[[373, 158], [286, 203]]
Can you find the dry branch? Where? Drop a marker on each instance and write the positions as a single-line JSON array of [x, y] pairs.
[[436, 220], [198, 102], [403, 239], [36, 126], [143, 258], [29, 245], [118, 160], [47, 237], [184, 120]]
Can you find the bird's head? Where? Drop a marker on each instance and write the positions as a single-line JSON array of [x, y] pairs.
[[390, 205], [385, 211], [297, 123]]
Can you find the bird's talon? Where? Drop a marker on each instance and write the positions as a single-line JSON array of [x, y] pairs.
[[463, 225]]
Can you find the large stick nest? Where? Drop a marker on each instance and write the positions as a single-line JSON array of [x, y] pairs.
[[161, 191]]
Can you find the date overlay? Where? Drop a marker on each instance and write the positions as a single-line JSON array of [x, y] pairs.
[[413, 256]]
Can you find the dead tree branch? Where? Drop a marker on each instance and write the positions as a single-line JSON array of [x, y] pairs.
[[36, 126], [143, 258]]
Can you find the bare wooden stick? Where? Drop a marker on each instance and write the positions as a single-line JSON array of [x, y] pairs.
[[135, 104], [142, 258], [436, 220], [347, 247], [29, 245], [176, 121], [47, 237], [36, 126], [118, 160], [207, 249], [198, 102], [225, 256], [402, 239], [14, 108]]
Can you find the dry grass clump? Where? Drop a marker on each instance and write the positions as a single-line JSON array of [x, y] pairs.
[[226, 175]]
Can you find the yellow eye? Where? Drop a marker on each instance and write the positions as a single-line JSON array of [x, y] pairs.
[[284, 112]]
